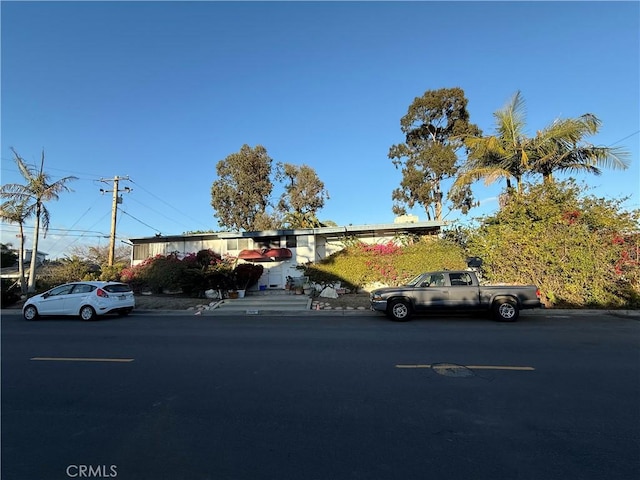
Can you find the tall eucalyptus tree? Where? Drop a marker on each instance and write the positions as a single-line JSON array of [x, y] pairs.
[[435, 127], [303, 197]]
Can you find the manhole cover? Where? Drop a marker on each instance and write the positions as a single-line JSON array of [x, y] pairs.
[[452, 370]]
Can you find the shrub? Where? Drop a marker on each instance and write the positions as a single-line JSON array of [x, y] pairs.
[[194, 273], [156, 273], [66, 270], [10, 292], [112, 273], [387, 262], [207, 270], [574, 247], [247, 275], [8, 257]]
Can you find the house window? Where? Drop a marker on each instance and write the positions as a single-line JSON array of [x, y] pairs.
[[141, 252], [237, 244], [267, 242], [303, 241], [291, 241]]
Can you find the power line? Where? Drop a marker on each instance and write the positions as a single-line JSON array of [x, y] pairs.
[[73, 172], [8, 226], [159, 213], [167, 204], [623, 139], [138, 220]]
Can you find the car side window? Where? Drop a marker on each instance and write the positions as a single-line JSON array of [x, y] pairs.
[[83, 288], [61, 290], [460, 279], [435, 280]]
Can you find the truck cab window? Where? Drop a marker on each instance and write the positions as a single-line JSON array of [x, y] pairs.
[[460, 279]]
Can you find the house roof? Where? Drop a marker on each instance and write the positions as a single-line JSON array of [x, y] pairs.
[[393, 228]]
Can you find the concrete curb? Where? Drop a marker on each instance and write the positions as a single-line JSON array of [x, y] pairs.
[[221, 312], [252, 312], [345, 312]]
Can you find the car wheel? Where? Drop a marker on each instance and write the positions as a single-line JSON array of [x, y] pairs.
[[30, 313], [399, 311], [87, 313], [505, 310]]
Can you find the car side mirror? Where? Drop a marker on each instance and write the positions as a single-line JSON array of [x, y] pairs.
[[46, 295]]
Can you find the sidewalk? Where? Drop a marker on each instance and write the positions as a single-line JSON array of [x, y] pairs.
[[259, 303], [287, 305]]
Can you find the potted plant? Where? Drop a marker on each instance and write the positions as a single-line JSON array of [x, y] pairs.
[[246, 275]]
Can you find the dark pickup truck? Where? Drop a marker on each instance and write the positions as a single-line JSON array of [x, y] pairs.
[[454, 290]]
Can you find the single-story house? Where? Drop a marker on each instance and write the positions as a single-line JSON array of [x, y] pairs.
[[279, 251], [12, 272]]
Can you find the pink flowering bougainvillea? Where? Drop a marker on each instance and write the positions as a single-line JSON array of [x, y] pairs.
[[381, 261], [193, 272]]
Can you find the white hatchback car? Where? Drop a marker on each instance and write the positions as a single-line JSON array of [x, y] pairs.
[[86, 299]]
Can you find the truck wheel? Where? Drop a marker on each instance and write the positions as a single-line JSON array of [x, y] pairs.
[[399, 311], [505, 310]]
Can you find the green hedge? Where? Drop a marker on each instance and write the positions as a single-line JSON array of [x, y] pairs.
[[580, 250], [359, 263]]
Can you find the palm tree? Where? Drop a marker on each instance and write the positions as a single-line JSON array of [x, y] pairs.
[[33, 195], [510, 154], [558, 148], [12, 212], [503, 155]]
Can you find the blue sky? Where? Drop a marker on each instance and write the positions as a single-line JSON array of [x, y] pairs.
[[161, 91]]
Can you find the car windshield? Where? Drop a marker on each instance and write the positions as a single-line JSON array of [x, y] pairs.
[[414, 281]]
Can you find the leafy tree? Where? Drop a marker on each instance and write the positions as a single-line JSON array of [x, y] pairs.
[[99, 255], [38, 190], [240, 195], [304, 195], [267, 221], [512, 155], [567, 243], [435, 128], [68, 269], [17, 212]]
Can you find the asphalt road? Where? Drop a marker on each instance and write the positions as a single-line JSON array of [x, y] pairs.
[[328, 398]]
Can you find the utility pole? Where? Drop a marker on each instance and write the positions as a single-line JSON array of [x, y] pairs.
[[114, 210]]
